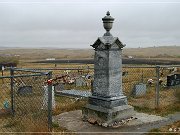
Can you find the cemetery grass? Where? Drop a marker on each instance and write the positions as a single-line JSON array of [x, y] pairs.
[[29, 117], [65, 104], [170, 109], [169, 102], [5, 91]]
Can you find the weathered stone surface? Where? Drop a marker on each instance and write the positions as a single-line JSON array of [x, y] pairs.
[[108, 102], [59, 87], [105, 115], [80, 82], [107, 73], [74, 93], [24, 90], [139, 89]]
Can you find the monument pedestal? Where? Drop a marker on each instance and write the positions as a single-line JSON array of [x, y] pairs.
[[107, 102], [107, 110]]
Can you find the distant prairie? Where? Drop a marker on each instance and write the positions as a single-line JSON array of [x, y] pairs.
[[44, 53]]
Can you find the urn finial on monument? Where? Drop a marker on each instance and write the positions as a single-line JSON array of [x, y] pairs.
[[107, 23]]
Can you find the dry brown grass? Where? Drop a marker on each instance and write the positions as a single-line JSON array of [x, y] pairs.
[[4, 91], [29, 117], [65, 104], [39, 54], [166, 51]]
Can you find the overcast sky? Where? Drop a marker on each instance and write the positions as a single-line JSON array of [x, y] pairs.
[[78, 23]]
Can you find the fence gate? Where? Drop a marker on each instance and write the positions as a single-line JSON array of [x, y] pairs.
[[24, 105]]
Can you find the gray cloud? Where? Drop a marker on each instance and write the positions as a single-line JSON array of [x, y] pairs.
[[77, 25]]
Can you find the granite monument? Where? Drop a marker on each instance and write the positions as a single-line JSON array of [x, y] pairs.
[[107, 103]]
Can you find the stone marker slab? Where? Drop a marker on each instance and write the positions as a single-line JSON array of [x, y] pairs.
[[59, 87], [80, 82], [74, 93], [139, 89]]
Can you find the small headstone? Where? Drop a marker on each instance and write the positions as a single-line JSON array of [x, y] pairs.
[[59, 87], [177, 76], [75, 93], [24, 90], [173, 79], [80, 82], [139, 89], [170, 80]]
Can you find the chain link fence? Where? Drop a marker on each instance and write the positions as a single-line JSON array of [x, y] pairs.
[[146, 87], [149, 87], [139, 85], [168, 90], [24, 106]]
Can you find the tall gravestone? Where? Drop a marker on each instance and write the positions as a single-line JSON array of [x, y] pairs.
[[107, 103]]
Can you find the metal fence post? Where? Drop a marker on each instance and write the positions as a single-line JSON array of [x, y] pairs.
[[12, 91], [50, 102], [157, 87]]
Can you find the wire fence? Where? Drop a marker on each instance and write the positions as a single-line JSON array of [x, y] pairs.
[[23, 103], [148, 87]]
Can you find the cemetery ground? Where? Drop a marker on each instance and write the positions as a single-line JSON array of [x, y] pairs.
[[169, 97]]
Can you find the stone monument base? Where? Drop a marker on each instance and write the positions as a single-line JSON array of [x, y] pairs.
[[101, 115], [141, 122]]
